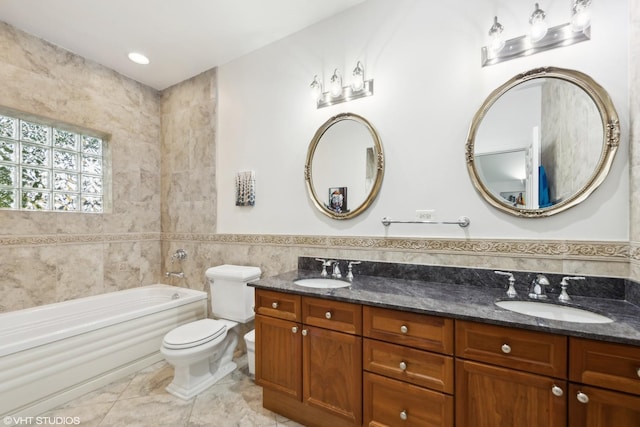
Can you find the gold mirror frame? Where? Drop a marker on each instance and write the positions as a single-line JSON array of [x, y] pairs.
[[611, 139], [379, 166]]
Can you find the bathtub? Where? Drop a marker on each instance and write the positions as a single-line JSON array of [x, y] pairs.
[[54, 353]]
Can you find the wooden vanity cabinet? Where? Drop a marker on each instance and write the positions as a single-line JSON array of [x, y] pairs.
[[605, 384], [309, 358], [509, 377], [408, 363]]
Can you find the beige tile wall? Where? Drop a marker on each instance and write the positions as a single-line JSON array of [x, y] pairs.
[[48, 256]]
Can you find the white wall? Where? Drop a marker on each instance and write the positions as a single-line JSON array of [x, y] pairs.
[[425, 59]]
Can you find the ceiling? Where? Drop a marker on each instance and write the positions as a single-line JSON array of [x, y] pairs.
[[182, 38]]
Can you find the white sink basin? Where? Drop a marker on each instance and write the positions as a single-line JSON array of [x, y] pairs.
[[554, 312], [322, 283]]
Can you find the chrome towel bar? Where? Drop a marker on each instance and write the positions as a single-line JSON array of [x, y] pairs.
[[463, 221]]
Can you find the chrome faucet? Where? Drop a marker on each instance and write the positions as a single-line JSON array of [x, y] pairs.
[[537, 289], [180, 255], [337, 274], [350, 268], [564, 296], [325, 264], [511, 291]]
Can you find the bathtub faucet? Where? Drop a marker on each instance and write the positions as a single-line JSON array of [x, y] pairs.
[[180, 255], [179, 274]]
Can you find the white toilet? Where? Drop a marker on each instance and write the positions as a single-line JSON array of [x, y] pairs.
[[202, 351]]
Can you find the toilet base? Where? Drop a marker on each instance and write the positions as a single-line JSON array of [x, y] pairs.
[[205, 382], [194, 375]]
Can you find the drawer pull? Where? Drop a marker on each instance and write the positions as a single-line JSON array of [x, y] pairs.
[[294, 329], [404, 330], [304, 332], [327, 315], [403, 366], [582, 398], [506, 348], [403, 415], [557, 391], [638, 372], [274, 304]]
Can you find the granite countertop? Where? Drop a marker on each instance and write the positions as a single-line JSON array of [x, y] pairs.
[[467, 302]]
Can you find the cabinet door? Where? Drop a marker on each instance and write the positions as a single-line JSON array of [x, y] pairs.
[[595, 407], [332, 371], [490, 396], [279, 355]]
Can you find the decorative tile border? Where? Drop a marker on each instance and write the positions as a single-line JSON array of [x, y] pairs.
[[608, 251], [634, 252], [57, 239]]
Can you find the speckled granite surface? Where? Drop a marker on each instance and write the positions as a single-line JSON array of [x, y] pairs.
[[471, 294]]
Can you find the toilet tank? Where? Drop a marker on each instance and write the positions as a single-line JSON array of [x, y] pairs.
[[231, 298]]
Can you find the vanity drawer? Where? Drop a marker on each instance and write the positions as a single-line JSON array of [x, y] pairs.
[[418, 367], [531, 351], [389, 402], [278, 304], [608, 365], [411, 329], [334, 315]]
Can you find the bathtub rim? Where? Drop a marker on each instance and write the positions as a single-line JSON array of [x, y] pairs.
[[25, 342]]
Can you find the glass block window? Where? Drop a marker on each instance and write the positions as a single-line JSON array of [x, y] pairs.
[[46, 168]]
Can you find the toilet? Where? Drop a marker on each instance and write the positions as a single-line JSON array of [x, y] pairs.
[[201, 352]]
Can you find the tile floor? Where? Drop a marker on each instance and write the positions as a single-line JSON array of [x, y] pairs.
[[140, 400]]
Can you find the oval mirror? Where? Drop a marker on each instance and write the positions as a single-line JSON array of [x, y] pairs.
[[542, 142], [345, 166]]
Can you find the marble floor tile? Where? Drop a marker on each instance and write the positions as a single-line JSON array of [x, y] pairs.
[[140, 400]]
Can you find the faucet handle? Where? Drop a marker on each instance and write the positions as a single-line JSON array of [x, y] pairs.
[[511, 291], [325, 264], [350, 268], [564, 296]]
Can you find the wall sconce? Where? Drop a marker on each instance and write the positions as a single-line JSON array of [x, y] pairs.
[[538, 25], [540, 37], [496, 42], [580, 15], [316, 88], [359, 88]]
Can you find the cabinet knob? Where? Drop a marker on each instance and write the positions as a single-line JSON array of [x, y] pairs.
[[304, 332], [557, 391], [327, 315], [506, 348], [274, 304], [294, 329], [404, 330], [582, 398], [403, 366], [638, 372], [403, 415]]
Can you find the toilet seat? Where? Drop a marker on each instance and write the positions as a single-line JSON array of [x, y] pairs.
[[194, 334]]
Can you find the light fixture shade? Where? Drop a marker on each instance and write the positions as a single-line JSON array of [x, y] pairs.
[[335, 86], [357, 83], [538, 25], [580, 15], [496, 42], [315, 88]]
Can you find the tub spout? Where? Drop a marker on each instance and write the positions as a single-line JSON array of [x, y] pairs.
[[179, 275]]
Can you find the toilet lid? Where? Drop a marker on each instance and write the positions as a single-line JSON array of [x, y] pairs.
[[194, 334]]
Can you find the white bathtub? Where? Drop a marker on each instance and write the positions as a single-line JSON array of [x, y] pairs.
[[57, 352]]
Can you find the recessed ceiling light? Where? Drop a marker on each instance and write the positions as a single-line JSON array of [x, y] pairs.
[[138, 58]]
